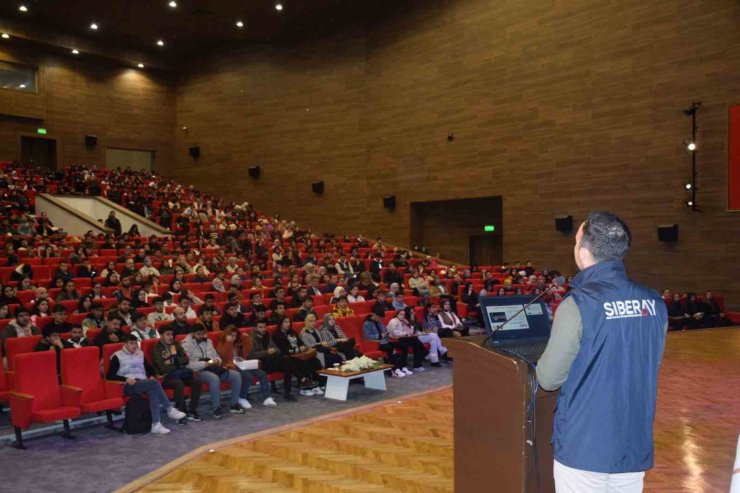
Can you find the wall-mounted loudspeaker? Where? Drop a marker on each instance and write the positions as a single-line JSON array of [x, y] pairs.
[[564, 223], [254, 172], [668, 232], [389, 202], [317, 187], [194, 151], [91, 140]]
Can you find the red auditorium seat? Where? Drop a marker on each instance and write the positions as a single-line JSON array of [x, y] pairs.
[[108, 351], [38, 397], [4, 385], [81, 369]]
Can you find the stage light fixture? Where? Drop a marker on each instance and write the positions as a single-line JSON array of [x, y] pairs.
[[75, 52], [689, 203], [278, 6], [160, 42], [141, 65], [94, 26], [691, 146], [6, 36], [22, 86], [239, 24], [23, 8], [689, 186], [173, 4]]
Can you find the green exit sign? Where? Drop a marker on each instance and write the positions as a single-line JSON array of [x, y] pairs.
[[41, 131], [490, 228]]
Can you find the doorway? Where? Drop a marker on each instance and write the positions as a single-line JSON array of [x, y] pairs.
[[483, 250], [39, 151]]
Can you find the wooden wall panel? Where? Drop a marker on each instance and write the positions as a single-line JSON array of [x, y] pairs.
[[125, 108], [559, 107]]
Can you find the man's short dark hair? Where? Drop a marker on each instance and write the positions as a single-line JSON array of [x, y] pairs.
[[166, 328], [60, 309], [606, 236], [199, 327]]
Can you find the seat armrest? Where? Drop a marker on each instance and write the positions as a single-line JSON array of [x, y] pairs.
[[21, 407], [10, 378], [733, 316], [113, 388], [71, 396]]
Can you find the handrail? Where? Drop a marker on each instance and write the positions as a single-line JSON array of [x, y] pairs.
[[71, 210]]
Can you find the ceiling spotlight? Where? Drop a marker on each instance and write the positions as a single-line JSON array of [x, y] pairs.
[[173, 4], [75, 52], [140, 65], [691, 146], [23, 8], [94, 26], [6, 36], [22, 86], [689, 203], [689, 186], [160, 43], [239, 24], [278, 6]]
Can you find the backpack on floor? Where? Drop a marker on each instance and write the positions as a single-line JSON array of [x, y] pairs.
[[138, 418]]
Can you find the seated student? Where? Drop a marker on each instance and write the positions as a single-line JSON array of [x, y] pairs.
[[159, 314], [381, 301], [128, 365], [342, 309], [695, 309], [84, 304], [400, 329], [712, 311], [305, 310], [271, 360], [111, 333], [209, 301], [77, 339], [398, 301], [205, 360], [141, 328], [20, 326], [123, 311], [303, 366], [207, 320], [171, 362], [428, 336], [311, 337], [332, 333], [258, 315], [180, 323], [677, 317], [187, 307], [59, 320], [373, 329], [94, 319], [451, 325], [354, 295], [52, 341], [300, 296], [279, 297], [278, 314], [256, 301], [232, 316], [68, 293], [233, 345]]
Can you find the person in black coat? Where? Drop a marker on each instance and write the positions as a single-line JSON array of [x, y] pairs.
[[113, 223]]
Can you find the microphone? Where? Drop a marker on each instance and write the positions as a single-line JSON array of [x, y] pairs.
[[557, 282]]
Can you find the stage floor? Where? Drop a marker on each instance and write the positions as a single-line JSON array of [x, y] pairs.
[[406, 445]]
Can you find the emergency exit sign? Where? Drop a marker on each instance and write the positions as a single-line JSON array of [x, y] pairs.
[[490, 228]]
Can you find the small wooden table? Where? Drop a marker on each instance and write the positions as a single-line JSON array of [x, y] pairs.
[[337, 381]]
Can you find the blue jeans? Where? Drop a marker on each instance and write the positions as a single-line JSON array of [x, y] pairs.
[[213, 381], [248, 375], [154, 393]]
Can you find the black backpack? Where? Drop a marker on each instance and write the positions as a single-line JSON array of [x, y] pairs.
[[138, 418]]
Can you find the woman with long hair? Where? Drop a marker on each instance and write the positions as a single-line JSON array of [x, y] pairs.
[[234, 347], [304, 365]]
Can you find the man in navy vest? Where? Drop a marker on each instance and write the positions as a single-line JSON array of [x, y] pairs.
[[604, 353]]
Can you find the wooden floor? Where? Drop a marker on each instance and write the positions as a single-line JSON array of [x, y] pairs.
[[406, 446]]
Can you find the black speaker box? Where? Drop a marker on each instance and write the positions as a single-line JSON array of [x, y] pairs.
[[389, 202], [254, 172], [668, 232], [317, 187], [564, 223], [91, 140], [194, 151]]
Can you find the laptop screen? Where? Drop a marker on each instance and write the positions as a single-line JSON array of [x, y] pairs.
[[532, 323]]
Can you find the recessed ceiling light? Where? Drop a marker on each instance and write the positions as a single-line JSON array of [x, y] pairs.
[[94, 26], [75, 52], [141, 65], [160, 43], [23, 8], [22, 86], [173, 4], [6, 36], [278, 6], [239, 24]]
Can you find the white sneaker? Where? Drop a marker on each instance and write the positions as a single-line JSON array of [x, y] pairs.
[[407, 371], [174, 414], [419, 370], [317, 391], [269, 402], [159, 429], [306, 392], [398, 373], [245, 404]]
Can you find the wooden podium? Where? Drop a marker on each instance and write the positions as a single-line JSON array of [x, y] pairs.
[[492, 393]]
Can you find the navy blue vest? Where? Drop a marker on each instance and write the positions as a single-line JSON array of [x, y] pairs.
[[605, 410]]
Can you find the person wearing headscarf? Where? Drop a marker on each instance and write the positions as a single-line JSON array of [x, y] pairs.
[[331, 332]]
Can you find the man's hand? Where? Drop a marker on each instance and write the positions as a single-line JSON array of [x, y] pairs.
[[113, 337], [173, 350], [272, 350], [130, 381], [217, 361]]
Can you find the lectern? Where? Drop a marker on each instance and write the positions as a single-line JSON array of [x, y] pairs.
[[492, 423]]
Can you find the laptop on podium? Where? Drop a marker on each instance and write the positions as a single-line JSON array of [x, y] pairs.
[[524, 335]]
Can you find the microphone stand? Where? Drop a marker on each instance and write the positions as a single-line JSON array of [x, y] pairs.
[[537, 298]]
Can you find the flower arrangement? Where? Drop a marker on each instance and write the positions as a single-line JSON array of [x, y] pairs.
[[359, 364]]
